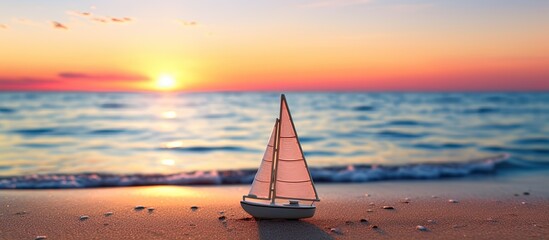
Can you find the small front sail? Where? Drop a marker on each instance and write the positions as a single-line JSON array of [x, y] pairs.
[[261, 187], [292, 175]]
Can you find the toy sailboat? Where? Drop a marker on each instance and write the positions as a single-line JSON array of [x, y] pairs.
[[283, 178]]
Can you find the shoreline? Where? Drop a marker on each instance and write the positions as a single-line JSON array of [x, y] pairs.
[[496, 207]]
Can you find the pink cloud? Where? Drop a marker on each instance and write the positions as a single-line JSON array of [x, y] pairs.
[[58, 25], [102, 77]]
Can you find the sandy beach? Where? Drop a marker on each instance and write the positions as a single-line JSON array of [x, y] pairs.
[[496, 207]]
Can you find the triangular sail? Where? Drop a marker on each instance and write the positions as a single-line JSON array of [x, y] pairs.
[[261, 187], [293, 179]]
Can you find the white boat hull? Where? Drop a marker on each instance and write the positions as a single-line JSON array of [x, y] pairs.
[[277, 211]]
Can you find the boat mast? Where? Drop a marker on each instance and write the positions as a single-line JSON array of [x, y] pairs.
[[272, 184]]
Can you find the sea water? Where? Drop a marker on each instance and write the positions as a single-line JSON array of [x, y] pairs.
[[64, 140]]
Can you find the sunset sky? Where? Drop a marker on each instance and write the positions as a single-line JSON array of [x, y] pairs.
[[347, 45]]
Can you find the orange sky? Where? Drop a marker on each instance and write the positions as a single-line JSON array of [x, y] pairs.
[[344, 45]]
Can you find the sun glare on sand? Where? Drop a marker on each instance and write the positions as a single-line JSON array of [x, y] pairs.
[[166, 82]]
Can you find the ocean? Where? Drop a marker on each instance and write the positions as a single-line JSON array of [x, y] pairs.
[[78, 140]]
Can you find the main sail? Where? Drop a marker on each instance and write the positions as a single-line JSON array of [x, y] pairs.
[[293, 179], [261, 187]]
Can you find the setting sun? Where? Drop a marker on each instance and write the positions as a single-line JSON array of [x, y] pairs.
[[166, 82]]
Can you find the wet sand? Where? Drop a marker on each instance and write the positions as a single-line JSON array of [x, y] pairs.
[[485, 208]]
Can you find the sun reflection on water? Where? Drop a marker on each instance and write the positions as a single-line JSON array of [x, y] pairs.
[[168, 162], [174, 144], [169, 114]]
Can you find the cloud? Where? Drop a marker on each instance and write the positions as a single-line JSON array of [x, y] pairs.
[[58, 25], [100, 19], [336, 3], [3, 26], [102, 77], [79, 14], [112, 19], [22, 83], [188, 23], [120, 20]]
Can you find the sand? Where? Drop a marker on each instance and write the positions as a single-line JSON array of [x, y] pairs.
[[484, 208]]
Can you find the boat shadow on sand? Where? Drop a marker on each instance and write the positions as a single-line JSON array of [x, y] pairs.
[[290, 229]]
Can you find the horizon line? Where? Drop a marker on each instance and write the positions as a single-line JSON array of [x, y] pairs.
[[276, 91]]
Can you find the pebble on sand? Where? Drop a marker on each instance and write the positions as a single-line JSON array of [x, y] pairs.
[[369, 210], [150, 209], [406, 200], [453, 201], [434, 196], [363, 220], [222, 218], [84, 217], [139, 207], [335, 230], [526, 193], [431, 221], [194, 208], [388, 207], [374, 226], [40, 237], [367, 195], [108, 214], [221, 212], [421, 228]]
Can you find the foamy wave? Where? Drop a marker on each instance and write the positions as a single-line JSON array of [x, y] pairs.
[[352, 173]]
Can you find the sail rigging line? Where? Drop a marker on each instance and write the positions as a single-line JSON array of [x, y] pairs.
[[285, 181], [261, 180]]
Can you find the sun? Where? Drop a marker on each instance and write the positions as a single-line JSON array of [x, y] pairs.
[[166, 82]]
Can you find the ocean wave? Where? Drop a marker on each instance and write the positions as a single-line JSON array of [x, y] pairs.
[[500, 126], [399, 134], [34, 131], [311, 139], [7, 110], [404, 123], [336, 174], [441, 146], [113, 105], [541, 151], [208, 149], [107, 131], [364, 108], [528, 141], [39, 145], [482, 110]]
